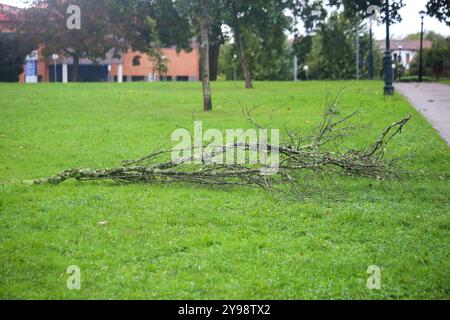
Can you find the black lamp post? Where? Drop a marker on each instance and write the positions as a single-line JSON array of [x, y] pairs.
[[422, 15], [388, 87], [400, 62], [359, 36], [370, 53]]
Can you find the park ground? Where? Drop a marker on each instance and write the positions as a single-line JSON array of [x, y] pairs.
[[195, 242]]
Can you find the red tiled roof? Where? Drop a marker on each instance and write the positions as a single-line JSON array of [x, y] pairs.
[[412, 45]]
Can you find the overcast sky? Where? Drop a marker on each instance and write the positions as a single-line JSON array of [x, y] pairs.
[[409, 13]]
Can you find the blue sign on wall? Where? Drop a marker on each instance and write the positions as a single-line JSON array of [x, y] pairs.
[[31, 68]]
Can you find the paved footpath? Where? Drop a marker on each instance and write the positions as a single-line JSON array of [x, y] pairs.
[[433, 101]]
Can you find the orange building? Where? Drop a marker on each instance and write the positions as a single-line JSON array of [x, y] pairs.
[[136, 66], [130, 67]]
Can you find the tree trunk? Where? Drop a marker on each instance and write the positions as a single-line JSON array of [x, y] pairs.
[[76, 64], [242, 58], [204, 56], [214, 50]]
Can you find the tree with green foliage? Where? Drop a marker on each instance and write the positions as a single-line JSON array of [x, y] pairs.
[[332, 50], [358, 9], [235, 14], [216, 40], [269, 58], [332, 54], [267, 64], [259, 33], [13, 53], [172, 27], [228, 63], [439, 9]]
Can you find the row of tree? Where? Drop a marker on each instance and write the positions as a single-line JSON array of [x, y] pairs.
[[329, 53], [258, 30]]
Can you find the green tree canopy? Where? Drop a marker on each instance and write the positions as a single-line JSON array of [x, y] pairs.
[[13, 53], [358, 9], [333, 50], [439, 9]]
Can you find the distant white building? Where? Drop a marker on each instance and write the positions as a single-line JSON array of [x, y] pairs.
[[406, 49]]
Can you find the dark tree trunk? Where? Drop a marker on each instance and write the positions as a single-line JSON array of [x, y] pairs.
[[214, 50], [76, 65], [242, 58], [204, 56]]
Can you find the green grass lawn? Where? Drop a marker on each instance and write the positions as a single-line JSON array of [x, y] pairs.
[[194, 242]]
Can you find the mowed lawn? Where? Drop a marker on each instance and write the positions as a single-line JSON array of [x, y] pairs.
[[195, 242]]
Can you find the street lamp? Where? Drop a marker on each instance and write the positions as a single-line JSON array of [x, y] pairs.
[[306, 68], [109, 72], [400, 66], [295, 67], [393, 72], [54, 58], [422, 15], [359, 36], [388, 87], [234, 67], [370, 58]]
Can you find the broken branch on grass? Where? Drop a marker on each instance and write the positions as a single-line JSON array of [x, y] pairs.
[[299, 154]]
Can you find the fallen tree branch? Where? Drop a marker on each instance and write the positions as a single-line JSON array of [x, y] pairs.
[[299, 154]]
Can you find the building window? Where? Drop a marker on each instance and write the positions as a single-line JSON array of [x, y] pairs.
[[182, 78], [408, 58], [136, 61], [137, 78], [165, 78]]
